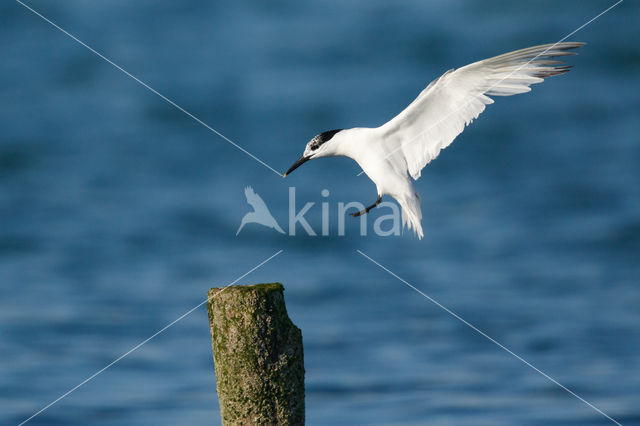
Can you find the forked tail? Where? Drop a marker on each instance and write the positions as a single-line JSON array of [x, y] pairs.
[[411, 214]]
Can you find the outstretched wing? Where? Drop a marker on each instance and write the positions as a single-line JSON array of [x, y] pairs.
[[452, 101], [255, 200]]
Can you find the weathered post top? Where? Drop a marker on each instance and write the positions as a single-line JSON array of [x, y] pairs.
[[258, 356]]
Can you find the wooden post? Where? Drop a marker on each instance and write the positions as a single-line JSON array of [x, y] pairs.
[[258, 356]]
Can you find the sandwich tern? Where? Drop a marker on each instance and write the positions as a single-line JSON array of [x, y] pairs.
[[396, 152]]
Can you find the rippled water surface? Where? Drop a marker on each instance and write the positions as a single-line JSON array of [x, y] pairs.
[[118, 211]]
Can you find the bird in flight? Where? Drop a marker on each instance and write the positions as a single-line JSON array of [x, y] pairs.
[[260, 213], [396, 152]]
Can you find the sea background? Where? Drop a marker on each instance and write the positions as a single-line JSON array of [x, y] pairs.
[[118, 212]]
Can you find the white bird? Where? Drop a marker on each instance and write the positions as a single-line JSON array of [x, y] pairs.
[[260, 213], [397, 151]]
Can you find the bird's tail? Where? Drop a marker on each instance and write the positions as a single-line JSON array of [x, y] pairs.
[[411, 213]]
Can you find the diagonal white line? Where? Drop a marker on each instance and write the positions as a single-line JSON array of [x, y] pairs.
[[500, 81], [491, 339], [151, 89], [124, 355], [590, 21]]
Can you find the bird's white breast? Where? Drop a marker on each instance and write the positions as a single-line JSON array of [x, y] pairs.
[[387, 169]]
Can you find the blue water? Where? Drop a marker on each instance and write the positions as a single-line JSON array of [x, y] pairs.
[[118, 212]]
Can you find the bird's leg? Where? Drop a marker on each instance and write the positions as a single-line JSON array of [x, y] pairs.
[[361, 212]]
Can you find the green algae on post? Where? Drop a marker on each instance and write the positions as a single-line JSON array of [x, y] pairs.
[[258, 356]]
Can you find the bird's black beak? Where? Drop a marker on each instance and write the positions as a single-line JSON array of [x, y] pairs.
[[297, 164]]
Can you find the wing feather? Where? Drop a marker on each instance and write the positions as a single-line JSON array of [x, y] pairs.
[[452, 101], [255, 200]]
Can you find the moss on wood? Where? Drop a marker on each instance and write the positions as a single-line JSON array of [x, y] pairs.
[[258, 356]]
